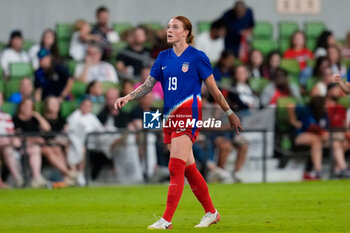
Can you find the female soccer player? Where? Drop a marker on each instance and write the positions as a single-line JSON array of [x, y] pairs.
[[181, 71]]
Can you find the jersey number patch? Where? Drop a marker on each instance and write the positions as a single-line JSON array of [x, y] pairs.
[[172, 84]]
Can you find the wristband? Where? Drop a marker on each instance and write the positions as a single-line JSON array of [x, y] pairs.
[[229, 112]]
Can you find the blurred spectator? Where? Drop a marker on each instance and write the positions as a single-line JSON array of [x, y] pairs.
[[160, 43], [212, 42], [273, 62], [325, 40], [320, 89], [93, 69], [240, 83], [314, 72], [13, 52], [55, 146], [80, 39], [107, 34], [81, 122], [298, 51], [240, 23], [157, 90], [255, 64], [345, 49], [131, 59], [49, 42], [25, 91], [7, 145], [121, 147], [225, 66], [51, 78], [94, 92], [127, 87], [335, 61], [311, 122], [28, 121], [280, 87]]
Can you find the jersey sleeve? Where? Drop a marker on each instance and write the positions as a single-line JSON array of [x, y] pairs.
[[204, 68], [156, 70]]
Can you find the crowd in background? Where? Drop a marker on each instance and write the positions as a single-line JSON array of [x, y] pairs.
[[106, 74]]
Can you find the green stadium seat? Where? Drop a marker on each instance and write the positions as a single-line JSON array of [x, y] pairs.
[[117, 47], [263, 30], [97, 107], [310, 83], [346, 62], [258, 84], [9, 108], [78, 89], [108, 85], [154, 25], [265, 46], [27, 44], [203, 26], [345, 101], [291, 65], [122, 27], [282, 120], [67, 107], [311, 44], [129, 106], [21, 70], [157, 103], [287, 28], [313, 29], [2, 86], [2, 45], [71, 64], [11, 87], [39, 106], [63, 47], [283, 45], [64, 31], [226, 81]]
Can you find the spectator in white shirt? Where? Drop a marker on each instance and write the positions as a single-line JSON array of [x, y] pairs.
[[13, 53], [94, 69], [212, 42]]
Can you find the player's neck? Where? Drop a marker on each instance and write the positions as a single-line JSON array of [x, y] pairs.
[[179, 48]]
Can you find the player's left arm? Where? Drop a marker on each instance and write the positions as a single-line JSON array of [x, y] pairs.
[[221, 101]]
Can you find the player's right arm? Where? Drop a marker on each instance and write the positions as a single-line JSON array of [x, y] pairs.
[[139, 92], [344, 86]]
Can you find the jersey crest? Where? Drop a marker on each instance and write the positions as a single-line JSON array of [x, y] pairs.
[[185, 67]]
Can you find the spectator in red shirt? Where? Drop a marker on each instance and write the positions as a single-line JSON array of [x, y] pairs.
[[298, 51]]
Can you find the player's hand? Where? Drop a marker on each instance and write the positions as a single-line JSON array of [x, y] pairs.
[[336, 78], [235, 123], [120, 102]]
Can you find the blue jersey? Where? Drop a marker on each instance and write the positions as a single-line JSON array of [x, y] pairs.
[[181, 78]]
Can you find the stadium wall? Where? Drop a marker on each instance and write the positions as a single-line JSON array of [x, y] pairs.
[[33, 16]]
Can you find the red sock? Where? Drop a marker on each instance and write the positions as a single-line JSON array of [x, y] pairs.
[[176, 186], [199, 187]]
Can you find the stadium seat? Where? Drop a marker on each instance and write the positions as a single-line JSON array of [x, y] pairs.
[[263, 30], [157, 104], [345, 101], [346, 62], [39, 106], [97, 107], [313, 29], [11, 87], [282, 120], [2, 45], [284, 44], [78, 89], [129, 106], [226, 81], [154, 25], [71, 66], [265, 46], [67, 107], [292, 66], [311, 44], [9, 108], [203, 26], [108, 85], [117, 47], [122, 27], [287, 28], [310, 83], [21, 70], [258, 84], [27, 44], [63, 47], [64, 31]]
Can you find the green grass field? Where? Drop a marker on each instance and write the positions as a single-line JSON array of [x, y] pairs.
[[280, 207]]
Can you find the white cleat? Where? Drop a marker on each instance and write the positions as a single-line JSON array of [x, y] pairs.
[[209, 219], [161, 224]]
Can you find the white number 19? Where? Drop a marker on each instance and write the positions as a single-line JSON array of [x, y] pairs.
[[172, 84]]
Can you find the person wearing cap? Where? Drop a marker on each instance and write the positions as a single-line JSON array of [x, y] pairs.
[[14, 52], [51, 79]]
